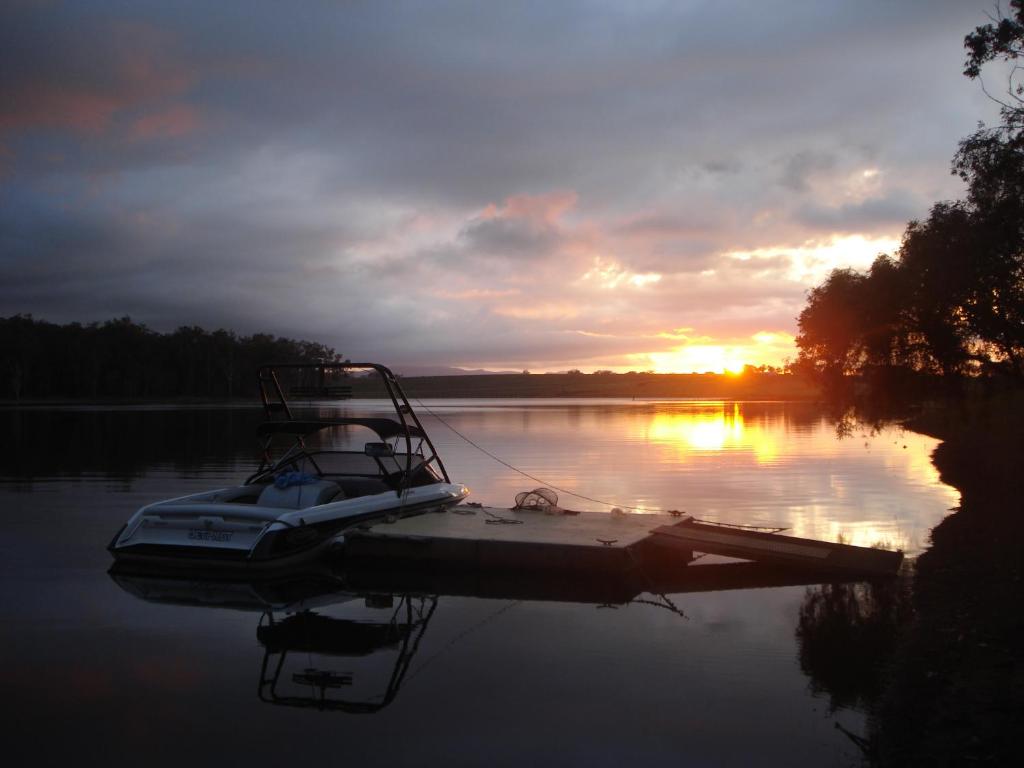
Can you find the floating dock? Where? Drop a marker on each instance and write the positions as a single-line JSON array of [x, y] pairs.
[[777, 549], [488, 538]]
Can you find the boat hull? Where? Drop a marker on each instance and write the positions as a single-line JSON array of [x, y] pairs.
[[194, 533]]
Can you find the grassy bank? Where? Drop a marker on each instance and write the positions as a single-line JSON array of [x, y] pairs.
[[957, 693]]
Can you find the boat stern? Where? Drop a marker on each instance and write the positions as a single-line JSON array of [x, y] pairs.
[[193, 525]]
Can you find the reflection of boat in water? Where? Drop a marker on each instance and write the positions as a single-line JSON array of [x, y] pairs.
[[398, 627], [309, 623], [301, 496], [346, 640]]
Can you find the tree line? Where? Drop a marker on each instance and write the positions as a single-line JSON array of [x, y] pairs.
[[950, 302], [124, 359]]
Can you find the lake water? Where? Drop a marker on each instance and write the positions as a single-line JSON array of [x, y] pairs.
[[122, 672]]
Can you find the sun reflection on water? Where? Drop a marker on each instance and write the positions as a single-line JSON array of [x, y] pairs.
[[741, 466], [719, 428]]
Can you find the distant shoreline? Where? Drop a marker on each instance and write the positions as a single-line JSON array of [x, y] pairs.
[[639, 386], [748, 386]]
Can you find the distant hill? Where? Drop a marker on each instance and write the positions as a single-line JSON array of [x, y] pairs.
[[444, 370]]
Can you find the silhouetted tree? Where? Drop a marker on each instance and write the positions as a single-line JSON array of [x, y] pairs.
[[938, 262], [831, 327], [121, 358], [951, 301], [991, 161], [1002, 38]]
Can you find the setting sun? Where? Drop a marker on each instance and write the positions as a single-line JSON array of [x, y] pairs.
[[773, 348], [699, 358], [735, 368]]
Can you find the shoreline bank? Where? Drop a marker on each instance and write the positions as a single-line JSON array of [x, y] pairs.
[[957, 691]]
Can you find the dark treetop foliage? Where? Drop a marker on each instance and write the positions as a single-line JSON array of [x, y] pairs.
[[1003, 38], [120, 358], [951, 301]]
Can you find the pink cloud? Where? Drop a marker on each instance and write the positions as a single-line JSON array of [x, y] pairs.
[[136, 70], [144, 63], [174, 122], [51, 105], [475, 294], [546, 209]]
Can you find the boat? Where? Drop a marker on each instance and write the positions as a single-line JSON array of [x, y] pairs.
[[308, 488]]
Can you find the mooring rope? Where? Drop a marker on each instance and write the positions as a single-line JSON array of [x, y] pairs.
[[424, 406], [461, 636], [521, 472]]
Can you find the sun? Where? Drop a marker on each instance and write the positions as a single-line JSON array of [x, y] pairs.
[[700, 358], [729, 356]]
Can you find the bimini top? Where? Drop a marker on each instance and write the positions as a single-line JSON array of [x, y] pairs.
[[384, 428]]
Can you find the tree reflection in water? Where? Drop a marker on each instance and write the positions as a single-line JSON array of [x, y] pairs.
[[846, 636]]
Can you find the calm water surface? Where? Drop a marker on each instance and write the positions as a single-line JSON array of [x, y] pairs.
[[124, 672]]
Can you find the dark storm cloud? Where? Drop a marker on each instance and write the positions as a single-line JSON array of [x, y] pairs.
[[890, 212], [801, 165], [512, 238], [476, 104], [342, 170]]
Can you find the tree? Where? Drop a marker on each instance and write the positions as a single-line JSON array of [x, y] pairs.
[[952, 300], [831, 329], [1003, 38], [991, 161], [884, 314], [122, 358], [938, 260], [856, 322]]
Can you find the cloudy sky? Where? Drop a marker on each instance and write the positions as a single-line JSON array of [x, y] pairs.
[[542, 185]]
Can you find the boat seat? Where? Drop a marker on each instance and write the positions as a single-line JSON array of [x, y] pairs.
[[301, 496], [363, 486]]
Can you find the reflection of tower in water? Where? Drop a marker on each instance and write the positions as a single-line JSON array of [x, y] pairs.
[[293, 674]]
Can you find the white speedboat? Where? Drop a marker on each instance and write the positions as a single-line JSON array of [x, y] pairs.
[[302, 496]]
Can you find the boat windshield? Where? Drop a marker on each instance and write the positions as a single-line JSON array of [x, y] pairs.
[[352, 456], [394, 451]]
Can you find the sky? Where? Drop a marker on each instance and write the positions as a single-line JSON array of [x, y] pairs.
[[517, 185]]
